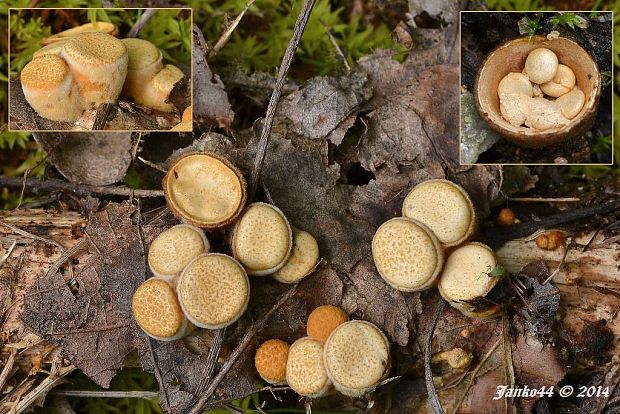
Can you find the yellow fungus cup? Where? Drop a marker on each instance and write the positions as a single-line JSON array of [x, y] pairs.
[[303, 260], [407, 254], [262, 239], [445, 208], [323, 320], [157, 311], [270, 361], [175, 248], [205, 190], [213, 291], [148, 81], [356, 357], [466, 278], [98, 62], [305, 372], [49, 88]]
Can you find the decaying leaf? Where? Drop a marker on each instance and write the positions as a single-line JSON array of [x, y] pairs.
[[210, 103]]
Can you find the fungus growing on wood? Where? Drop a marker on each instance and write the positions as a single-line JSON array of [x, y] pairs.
[[323, 320], [175, 248], [303, 260], [270, 361], [305, 372]]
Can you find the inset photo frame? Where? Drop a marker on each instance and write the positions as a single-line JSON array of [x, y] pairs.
[[100, 69], [536, 88]]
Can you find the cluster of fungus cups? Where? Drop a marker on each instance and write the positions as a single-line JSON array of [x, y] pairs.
[[207, 289], [86, 66], [428, 247], [352, 356]]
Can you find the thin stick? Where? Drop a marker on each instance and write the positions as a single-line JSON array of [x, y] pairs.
[[475, 372], [245, 341], [263, 142], [428, 350], [89, 330], [214, 352], [557, 270], [499, 236], [101, 117], [545, 200], [229, 31], [52, 185], [339, 51], [32, 236], [146, 395], [148, 13]]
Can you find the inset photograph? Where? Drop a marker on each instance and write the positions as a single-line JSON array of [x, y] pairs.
[[100, 69], [536, 88]]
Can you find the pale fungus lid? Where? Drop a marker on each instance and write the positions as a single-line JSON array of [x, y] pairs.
[[323, 320], [213, 291], [305, 372], [407, 254], [262, 239], [466, 273], [357, 357], [444, 207], [205, 190], [51, 49], [271, 359], [105, 27], [45, 72], [167, 77], [175, 248], [142, 53], [303, 259], [94, 48], [157, 310]]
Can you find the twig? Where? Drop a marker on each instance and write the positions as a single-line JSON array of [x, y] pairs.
[[153, 165], [52, 185], [509, 369], [89, 330], [8, 367], [214, 352], [245, 341], [146, 395], [557, 270], [428, 350], [26, 175], [498, 236], [65, 256], [135, 29], [545, 200], [42, 389], [32, 236], [474, 373], [229, 30], [6, 256], [300, 25], [339, 51], [101, 117]]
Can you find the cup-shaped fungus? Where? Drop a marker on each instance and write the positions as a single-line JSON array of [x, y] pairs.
[[49, 88], [444, 207], [305, 372], [270, 361], [157, 311], [303, 260], [175, 248], [51, 49], [407, 254], [98, 62], [148, 81], [323, 320], [356, 357], [467, 278], [205, 190], [262, 239], [213, 291]]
